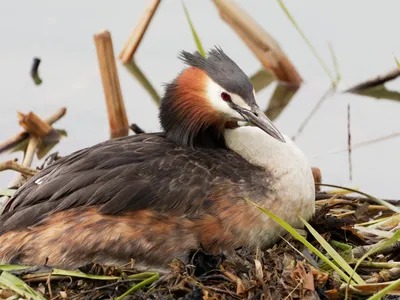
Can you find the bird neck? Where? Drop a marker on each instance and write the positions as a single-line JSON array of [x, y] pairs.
[[260, 149], [186, 117]]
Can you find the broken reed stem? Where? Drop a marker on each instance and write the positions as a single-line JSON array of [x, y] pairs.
[[324, 195], [13, 165], [383, 265], [30, 151], [136, 129], [117, 118], [11, 142], [349, 142], [35, 71], [381, 79], [263, 45], [359, 251], [27, 161], [138, 32], [33, 124], [316, 172]]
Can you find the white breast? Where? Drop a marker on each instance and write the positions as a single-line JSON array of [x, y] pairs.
[[287, 169]]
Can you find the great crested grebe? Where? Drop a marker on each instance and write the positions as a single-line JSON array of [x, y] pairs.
[[154, 197]]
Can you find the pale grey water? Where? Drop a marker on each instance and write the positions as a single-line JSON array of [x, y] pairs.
[[364, 35]]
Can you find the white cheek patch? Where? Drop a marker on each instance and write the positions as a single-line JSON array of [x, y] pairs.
[[239, 101], [214, 97]]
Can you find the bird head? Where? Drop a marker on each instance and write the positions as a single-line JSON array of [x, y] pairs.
[[211, 94]]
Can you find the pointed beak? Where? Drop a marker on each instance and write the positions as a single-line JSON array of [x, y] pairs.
[[257, 117]]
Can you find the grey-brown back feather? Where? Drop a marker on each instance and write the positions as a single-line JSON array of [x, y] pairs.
[[130, 173]]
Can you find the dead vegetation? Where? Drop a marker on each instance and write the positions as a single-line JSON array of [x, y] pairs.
[[352, 225]]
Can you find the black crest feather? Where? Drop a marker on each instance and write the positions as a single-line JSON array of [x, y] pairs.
[[222, 69]]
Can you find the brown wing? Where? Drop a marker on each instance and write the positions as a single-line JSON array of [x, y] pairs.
[[119, 175]]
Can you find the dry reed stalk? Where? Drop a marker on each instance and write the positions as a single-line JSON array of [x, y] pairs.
[[379, 80], [262, 44], [33, 124], [13, 165], [117, 118], [138, 32], [349, 143], [26, 163], [11, 142]]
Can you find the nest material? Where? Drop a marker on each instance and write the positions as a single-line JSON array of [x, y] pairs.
[[286, 271]]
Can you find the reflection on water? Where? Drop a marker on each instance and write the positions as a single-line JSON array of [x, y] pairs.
[[61, 35]]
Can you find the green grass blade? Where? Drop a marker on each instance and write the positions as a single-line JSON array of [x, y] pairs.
[[79, 274], [332, 252], [194, 33], [12, 267], [298, 236], [320, 60], [377, 200], [380, 246], [335, 63], [397, 63], [385, 291], [139, 286], [18, 286], [133, 68], [143, 275], [341, 246]]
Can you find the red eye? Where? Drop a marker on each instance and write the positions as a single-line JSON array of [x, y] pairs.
[[225, 96]]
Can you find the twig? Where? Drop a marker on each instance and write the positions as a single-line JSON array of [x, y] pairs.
[[324, 195], [108, 285], [136, 129], [27, 161], [325, 96], [35, 71], [11, 142], [361, 250], [349, 142], [367, 143], [48, 283], [13, 165], [381, 79], [117, 118], [30, 151], [239, 284], [375, 199], [380, 265], [262, 44], [33, 124], [211, 288], [138, 32]]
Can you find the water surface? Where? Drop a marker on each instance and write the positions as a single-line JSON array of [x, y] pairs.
[[363, 34]]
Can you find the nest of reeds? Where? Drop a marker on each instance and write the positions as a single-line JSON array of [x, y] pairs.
[[353, 227]]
